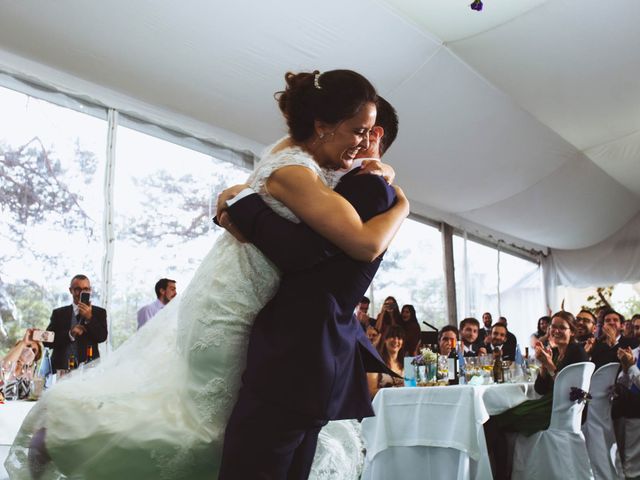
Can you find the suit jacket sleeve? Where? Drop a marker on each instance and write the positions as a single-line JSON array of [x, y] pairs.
[[97, 327], [294, 246], [57, 325]]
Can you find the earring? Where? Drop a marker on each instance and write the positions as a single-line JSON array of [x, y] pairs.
[[321, 136]]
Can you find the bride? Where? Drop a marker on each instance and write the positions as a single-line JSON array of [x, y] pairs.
[[157, 407]]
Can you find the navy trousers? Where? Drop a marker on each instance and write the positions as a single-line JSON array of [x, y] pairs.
[[265, 442]]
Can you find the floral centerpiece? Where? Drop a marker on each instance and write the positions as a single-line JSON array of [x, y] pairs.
[[426, 367]]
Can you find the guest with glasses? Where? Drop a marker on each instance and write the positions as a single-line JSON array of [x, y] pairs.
[[77, 327], [534, 415], [586, 329]]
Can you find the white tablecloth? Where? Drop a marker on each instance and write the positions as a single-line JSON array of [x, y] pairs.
[[446, 420], [11, 416]]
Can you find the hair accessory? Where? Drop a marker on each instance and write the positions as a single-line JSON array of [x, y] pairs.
[[316, 81]]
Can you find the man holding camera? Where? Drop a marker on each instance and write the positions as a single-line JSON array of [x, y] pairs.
[[78, 328]]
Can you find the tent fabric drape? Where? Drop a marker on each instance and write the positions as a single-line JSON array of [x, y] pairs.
[[615, 260]]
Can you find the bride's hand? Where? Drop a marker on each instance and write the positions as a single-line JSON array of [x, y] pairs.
[[228, 194], [376, 167]]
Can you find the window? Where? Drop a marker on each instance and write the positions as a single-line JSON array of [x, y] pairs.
[[519, 283], [412, 273], [164, 198], [51, 176]]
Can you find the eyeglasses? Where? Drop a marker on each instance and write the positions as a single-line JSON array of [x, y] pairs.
[[584, 319], [79, 290]]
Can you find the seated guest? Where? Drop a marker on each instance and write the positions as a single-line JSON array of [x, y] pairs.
[[485, 331], [362, 314], [472, 347], [543, 327], [389, 315], [542, 332], [411, 327], [374, 336], [499, 335], [20, 363], [605, 349], [534, 415], [585, 330], [392, 352], [629, 405], [627, 328], [512, 341], [447, 337]]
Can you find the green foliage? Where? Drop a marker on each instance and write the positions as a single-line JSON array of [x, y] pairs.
[[34, 304], [600, 299]]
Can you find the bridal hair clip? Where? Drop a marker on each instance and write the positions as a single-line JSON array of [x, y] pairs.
[[316, 80]]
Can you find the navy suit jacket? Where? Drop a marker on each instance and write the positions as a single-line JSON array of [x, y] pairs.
[[307, 352], [60, 324]]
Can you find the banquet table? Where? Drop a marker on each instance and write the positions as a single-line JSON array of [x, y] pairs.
[[435, 432], [11, 416]]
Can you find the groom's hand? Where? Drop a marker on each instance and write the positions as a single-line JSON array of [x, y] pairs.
[[225, 222], [376, 167], [226, 195]]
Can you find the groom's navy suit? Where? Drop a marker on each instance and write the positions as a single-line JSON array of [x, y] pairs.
[[307, 354]]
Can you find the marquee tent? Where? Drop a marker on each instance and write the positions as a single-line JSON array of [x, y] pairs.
[[519, 123]]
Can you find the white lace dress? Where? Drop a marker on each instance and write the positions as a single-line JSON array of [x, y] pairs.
[[156, 408]]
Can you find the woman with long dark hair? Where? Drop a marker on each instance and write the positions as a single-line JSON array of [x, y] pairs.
[[411, 327]]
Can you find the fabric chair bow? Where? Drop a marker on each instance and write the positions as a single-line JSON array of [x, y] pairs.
[[579, 395]]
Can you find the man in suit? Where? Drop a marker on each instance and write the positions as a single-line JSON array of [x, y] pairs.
[[303, 370], [499, 335], [485, 331], [605, 349], [472, 346], [77, 327]]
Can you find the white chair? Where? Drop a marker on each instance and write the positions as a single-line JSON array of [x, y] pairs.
[[598, 429], [560, 451]]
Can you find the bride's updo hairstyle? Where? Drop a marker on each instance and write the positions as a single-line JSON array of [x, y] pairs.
[[330, 97]]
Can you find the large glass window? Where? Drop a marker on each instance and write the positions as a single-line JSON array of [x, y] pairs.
[[51, 179], [164, 198], [412, 273], [518, 281]]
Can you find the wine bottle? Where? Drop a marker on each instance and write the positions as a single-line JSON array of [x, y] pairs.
[[454, 377], [498, 375], [72, 362]]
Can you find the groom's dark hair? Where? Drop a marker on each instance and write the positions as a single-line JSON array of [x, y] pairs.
[[387, 118]]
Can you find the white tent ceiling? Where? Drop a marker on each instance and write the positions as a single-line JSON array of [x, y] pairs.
[[521, 121]]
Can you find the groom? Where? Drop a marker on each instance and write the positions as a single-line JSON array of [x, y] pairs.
[[305, 369]]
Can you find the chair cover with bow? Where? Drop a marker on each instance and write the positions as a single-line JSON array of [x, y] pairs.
[[560, 451], [598, 429]]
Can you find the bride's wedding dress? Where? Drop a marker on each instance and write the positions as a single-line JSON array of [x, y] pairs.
[[156, 408]]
